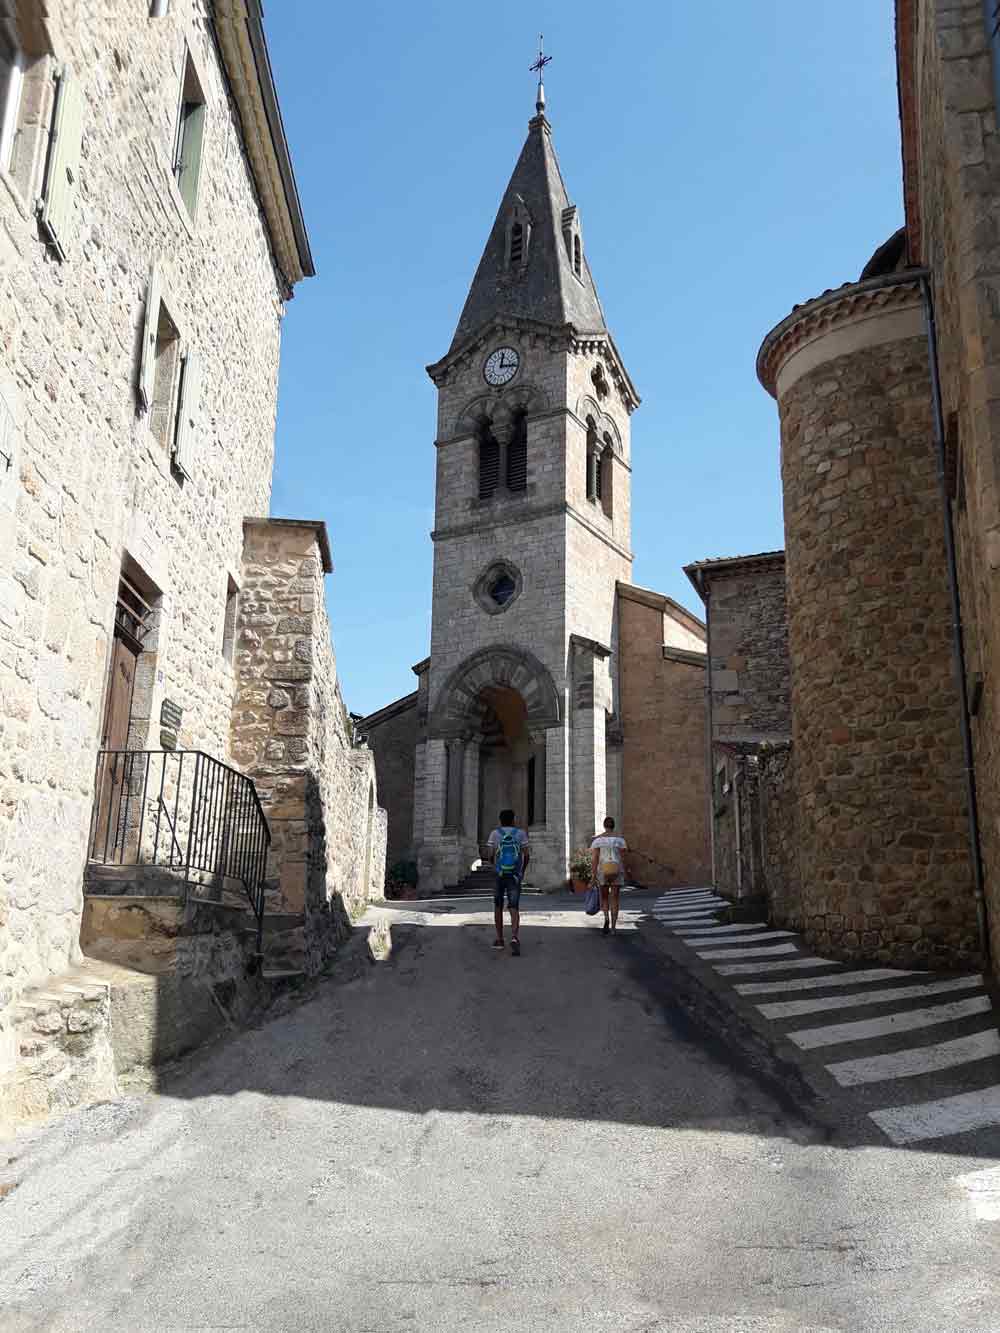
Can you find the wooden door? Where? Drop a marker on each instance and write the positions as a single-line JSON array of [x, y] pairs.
[[106, 839]]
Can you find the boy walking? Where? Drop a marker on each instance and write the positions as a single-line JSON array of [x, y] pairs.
[[607, 864], [510, 854]]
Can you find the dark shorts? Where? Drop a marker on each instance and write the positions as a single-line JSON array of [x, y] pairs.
[[511, 885]]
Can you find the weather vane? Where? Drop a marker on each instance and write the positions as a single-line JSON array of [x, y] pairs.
[[538, 66]]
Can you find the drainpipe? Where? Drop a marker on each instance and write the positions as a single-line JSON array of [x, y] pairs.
[[738, 817], [958, 643], [706, 594]]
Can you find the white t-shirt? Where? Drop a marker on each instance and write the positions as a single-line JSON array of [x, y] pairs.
[[610, 847]]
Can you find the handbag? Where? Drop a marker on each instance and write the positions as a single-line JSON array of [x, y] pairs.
[[592, 902]]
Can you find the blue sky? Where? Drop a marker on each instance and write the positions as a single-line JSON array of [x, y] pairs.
[[728, 161]]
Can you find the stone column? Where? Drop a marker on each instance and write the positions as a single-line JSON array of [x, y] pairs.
[[588, 721], [470, 799]]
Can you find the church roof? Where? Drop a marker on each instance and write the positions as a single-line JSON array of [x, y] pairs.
[[546, 288]]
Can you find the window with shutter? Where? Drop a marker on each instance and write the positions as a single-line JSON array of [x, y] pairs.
[[189, 137], [517, 456], [62, 180], [187, 409], [489, 464], [150, 327], [11, 66]]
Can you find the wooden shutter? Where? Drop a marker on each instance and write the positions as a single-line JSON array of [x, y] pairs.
[[150, 326], [187, 408], [63, 180]]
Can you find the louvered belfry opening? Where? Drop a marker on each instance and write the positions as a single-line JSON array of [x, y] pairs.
[[489, 463], [517, 455], [516, 243]]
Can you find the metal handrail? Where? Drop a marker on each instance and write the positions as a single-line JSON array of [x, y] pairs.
[[214, 821]]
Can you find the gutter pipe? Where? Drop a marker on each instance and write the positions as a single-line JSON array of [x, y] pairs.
[[958, 638]]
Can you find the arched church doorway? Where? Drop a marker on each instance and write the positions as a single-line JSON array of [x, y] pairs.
[[511, 761]]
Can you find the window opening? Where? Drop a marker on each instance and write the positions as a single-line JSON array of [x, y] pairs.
[[577, 257], [229, 624], [162, 416], [517, 455], [11, 71], [190, 133], [591, 460], [489, 463], [516, 243], [502, 589], [605, 477]]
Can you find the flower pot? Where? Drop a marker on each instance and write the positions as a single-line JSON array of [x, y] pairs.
[[580, 886]]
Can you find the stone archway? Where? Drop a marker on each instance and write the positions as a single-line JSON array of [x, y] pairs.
[[493, 713], [459, 706]]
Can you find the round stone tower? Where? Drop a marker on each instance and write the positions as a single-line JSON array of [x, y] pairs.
[[885, 870]]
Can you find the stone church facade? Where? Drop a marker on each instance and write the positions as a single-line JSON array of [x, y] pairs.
[[540, 657], [165, 659]]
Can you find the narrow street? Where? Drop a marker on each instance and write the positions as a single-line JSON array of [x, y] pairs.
[[464, 1140]]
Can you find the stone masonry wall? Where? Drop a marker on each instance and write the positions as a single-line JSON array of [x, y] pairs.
[[878, 758], [779, 836], [292, 734], [956, 140], [393, 742], [749, 639], [89, 483], [665, 794]]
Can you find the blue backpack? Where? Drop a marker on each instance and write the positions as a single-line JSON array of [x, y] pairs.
[[508, 853]]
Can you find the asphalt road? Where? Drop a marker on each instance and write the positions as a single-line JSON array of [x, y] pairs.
[[462, 1140]]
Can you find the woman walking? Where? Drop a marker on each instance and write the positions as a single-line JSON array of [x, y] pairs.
[[607, 865]]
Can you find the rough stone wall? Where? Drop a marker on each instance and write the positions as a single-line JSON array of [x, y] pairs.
[[291, 732], [779, 835], [392, 737], [957, 145], [665, 793], [878, 758], [89, 482], [749, 640]]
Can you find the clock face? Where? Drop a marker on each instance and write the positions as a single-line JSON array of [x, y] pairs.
[[501, 366]]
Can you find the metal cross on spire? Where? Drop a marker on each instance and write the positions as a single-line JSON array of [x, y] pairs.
[[538, 66]]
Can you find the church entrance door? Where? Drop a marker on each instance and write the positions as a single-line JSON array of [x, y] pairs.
[[510, 762]]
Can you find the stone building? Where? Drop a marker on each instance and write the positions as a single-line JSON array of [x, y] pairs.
[[877, 831], [541, 648], [748, 703], [148, 219]]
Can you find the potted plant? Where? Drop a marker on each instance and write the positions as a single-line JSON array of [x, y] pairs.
[[579, 869]]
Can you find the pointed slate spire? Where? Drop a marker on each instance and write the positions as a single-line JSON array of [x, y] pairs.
[[542, 283]]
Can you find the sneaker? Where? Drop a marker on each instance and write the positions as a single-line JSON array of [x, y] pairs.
[[498, 944], [515, 947]]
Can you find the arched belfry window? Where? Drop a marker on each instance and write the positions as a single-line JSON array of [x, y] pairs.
[[517, 454], [489, 462], [591, 461], [577, 256], [606, 477], [516, 243]]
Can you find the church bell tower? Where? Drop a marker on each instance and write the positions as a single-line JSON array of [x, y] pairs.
[[531, 535]]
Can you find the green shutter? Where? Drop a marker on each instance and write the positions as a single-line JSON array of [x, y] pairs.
[[150, 324], [63, 179], [187, 409], [192, 129]]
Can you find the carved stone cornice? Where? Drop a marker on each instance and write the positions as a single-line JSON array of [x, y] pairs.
[[844, 305]]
